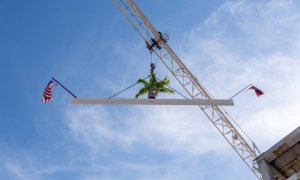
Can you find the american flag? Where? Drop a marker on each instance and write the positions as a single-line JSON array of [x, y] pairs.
[[48, 92]]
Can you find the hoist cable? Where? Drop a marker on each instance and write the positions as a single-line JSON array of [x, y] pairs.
[[127, 88], [144, 79]]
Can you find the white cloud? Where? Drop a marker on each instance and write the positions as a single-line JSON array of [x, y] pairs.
[[20, 164], [171, 129], [96, 128], [252, 42]]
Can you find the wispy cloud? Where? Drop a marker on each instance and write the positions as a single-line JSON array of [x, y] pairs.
[[21, 164], [159, 127], [252, 42]]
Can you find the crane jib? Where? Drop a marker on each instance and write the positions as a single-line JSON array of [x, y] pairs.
[[217, 115]]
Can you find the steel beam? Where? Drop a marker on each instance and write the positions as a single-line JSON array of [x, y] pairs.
[[124, 101]]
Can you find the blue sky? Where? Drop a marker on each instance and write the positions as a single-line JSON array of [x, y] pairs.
[[91, 48]]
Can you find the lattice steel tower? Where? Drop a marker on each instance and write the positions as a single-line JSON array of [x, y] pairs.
[[156, 42]]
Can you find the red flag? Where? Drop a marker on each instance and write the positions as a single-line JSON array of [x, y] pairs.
[[257, 91], [48, 92]]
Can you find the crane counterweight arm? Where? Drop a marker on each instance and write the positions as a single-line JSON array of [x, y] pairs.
[[188, 81]]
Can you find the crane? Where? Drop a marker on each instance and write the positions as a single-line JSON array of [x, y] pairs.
[[157, 43]]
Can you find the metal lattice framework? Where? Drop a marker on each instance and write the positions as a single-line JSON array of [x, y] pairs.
[[217, 115]]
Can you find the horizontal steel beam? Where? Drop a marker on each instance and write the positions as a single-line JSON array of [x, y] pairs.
[[130, 101]]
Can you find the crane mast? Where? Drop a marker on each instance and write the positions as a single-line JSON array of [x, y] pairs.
[[157, 43]]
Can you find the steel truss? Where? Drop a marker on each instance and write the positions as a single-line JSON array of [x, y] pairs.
[[189, 82]]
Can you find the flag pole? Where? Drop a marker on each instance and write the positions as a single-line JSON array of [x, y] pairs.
[[241, 91], [64, 87]]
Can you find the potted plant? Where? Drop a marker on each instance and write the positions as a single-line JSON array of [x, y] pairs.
[[153, 87]]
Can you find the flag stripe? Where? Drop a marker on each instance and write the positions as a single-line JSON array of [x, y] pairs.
[[47, 96]]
